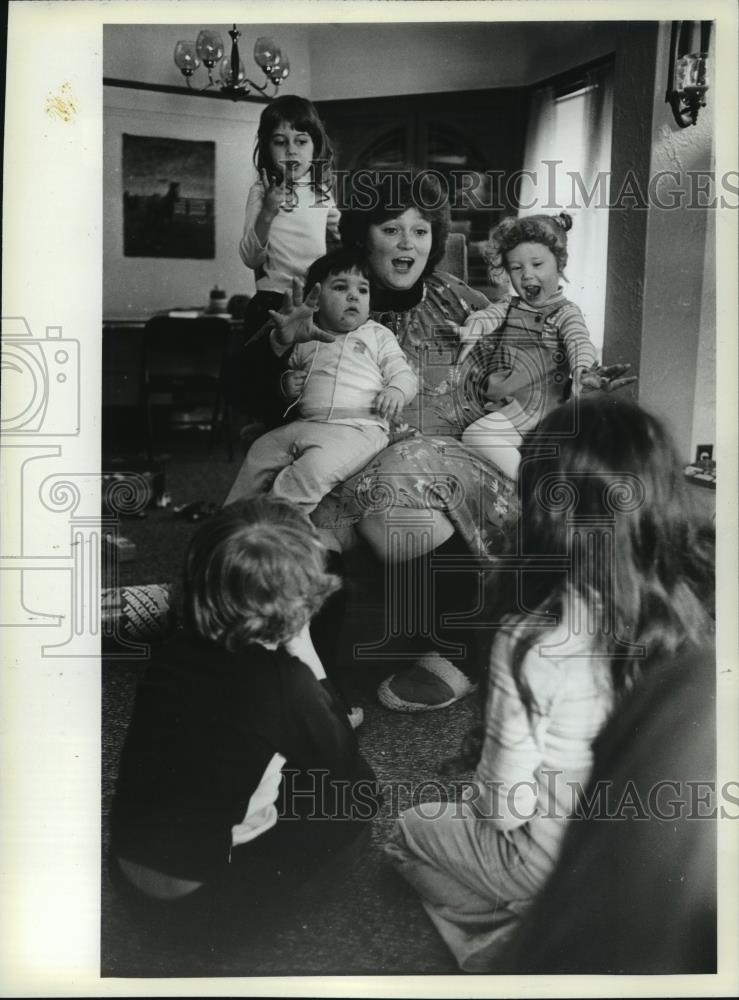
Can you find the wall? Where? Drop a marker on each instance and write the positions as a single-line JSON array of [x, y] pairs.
[[380, 60], [634, 77], [138, 286], [705, 402], [679, 280]]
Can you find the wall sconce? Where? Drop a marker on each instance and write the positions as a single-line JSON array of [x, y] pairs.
[[687, 84], [233, 83]]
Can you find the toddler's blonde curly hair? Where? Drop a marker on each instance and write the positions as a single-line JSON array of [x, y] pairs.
[[551, 230]]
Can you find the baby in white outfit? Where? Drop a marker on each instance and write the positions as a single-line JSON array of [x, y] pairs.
[[347, 392]]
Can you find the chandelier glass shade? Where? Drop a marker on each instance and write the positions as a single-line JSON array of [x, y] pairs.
[[231, 80]]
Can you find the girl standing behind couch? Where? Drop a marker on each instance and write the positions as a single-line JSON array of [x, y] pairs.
[[616, 577], [206, 827], [290, 210]]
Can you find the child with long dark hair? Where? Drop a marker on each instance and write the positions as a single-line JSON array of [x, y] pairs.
[[290, 209], [240, 777], [612, 575], [290, 220]]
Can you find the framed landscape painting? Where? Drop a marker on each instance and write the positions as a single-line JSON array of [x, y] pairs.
[[168, 197]]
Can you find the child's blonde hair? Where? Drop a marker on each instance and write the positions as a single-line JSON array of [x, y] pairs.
[[551, 230], [255, 571]]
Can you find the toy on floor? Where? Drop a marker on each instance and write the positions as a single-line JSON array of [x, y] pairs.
[[195, 511], [141, 612], [125, 548]]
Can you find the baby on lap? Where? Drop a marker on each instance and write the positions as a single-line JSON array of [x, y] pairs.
[[346, 391]]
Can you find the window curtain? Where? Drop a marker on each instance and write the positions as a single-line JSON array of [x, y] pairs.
[[567, 164]]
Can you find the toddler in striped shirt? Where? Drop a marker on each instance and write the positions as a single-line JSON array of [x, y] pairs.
[[535, 346]]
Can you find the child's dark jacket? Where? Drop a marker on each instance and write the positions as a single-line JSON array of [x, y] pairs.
[[206, 723]]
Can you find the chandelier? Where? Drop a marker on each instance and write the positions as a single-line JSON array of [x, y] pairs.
[[232, 82]]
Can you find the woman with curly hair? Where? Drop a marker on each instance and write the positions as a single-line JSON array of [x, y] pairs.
[[425, 495], [427, 501]]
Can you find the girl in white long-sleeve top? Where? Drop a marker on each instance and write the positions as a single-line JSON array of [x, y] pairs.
[[613, 576], [290, 210]]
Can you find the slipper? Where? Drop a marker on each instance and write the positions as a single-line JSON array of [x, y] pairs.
[[432, 683]]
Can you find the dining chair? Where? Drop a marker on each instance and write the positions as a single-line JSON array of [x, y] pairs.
[[183, 362]]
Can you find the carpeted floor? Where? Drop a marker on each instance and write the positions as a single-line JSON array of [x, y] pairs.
[[371, 923]]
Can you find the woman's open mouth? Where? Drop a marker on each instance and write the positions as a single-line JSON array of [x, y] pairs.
[[403, 264]]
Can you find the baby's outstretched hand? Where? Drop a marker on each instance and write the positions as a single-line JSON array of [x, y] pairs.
[[389, 403], [293, 324]]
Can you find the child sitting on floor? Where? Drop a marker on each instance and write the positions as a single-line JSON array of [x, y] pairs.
[[346, 392], [613, 575], [543, 344], [237, 744]]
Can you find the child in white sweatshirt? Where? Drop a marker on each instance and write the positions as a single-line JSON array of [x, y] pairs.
[[346, 392]]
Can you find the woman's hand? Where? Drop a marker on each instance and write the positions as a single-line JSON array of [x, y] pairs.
[[294, 322], [274, 194], [607, 379], [389, 403], [292, 383]]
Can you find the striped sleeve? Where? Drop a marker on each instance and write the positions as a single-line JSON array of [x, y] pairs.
[[575, 337]]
